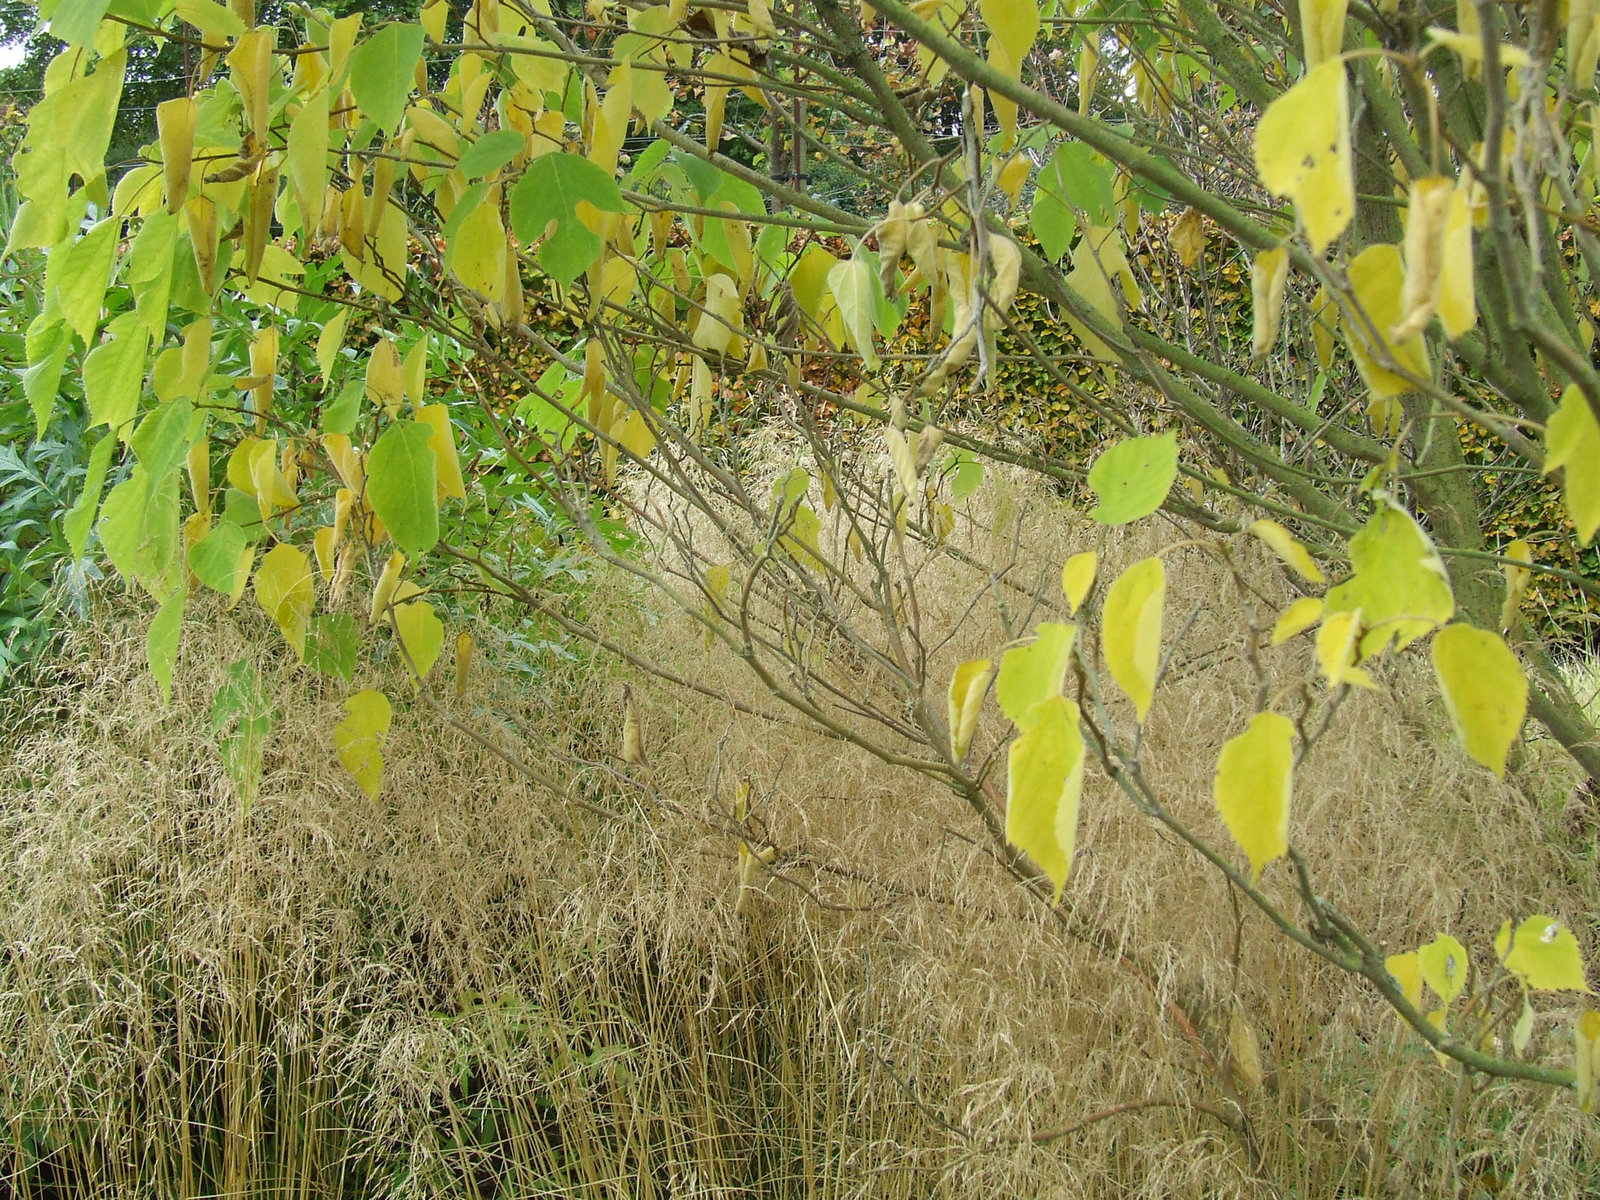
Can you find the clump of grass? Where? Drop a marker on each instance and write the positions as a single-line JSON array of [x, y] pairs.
[[441, 994]]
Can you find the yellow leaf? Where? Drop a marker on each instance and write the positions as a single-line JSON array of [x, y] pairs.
[[284, 590], [1077, 577], [1244, 1049], [421, 636], [1255, 775], [1005, 258], [1188, 238], [330, 341], [967, 687], [1543, 953], [1407, 971], [1297, 618], [360, 736], [175, 121], [1427, 209], [383, 590], [447, 464], [903, 458], [463, 662], [1572, 440], [1324, 320], [715, 328], [1013, 25], [325, 543], [611, 119], [1009, 179], [1336, 650], [1444, 967], [385, 379], [1043, 787], [1269, 272], [1517, 580], [346, 460], [478, 250], [1400, 583], [1586, 1033], [1302, 150], [1485, 691], [1034, 673], [1321, 29], [1131, 621], [1283, 543], [1458, 306], [1470, 47], [267, 481], [1376, 280]]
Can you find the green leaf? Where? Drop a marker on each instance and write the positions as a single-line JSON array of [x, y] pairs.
[[1131, 630], [163, 438], [79, 274], [80, 517], [968, 476], [113, 373], [1052, 223], [342, 414], [1400, 584], [308, 155], [333, 645], [1255, 776], [1572, 441], [382, 71], [210, 17], [140, 532], [69, 131], [241, 510], [1133, 478], [491, 152], [550, 191], [41, 382], [1484, 690], [161, 643], [401, 483], [1044, 784], [215, 558], [359, 738], [1543, 954], [1032, 674], [1078, 178], [77, 21], [853, 283], [152, 262], [241, 718], [285, 592]]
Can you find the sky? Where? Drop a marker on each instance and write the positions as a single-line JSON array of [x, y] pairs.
[[11, 55]]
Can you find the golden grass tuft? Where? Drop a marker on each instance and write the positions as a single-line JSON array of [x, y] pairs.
[[474, 989]]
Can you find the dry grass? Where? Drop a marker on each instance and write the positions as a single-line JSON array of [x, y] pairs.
[[446, 994]]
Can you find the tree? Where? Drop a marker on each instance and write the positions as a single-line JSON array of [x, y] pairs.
[[340, 207]]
